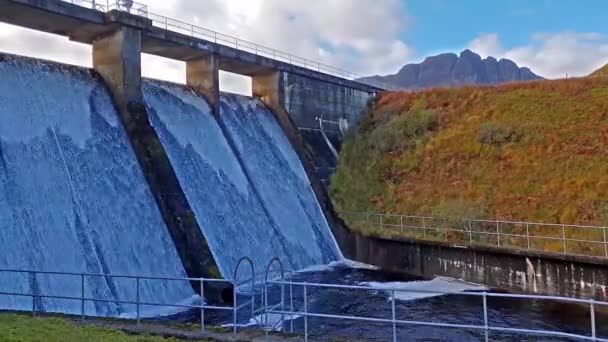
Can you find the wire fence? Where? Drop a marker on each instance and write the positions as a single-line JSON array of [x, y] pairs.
[[185, 28], [543, 237], [290, 300]]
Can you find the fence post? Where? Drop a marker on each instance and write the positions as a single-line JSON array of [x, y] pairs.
[[485, 315], [381, 221], [423, 228], [498, 232], [564, 237], [445, 229], [528, 234], [605, 244], [592, 313], [234, 309], [305, 313], [137, 301], [202, 281], [33, 276], [470, 233], [82, 297], [394, 316], [291, 302], [401, 223]]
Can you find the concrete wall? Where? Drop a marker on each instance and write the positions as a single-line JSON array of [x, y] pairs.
[[542, 273], [306, 98]]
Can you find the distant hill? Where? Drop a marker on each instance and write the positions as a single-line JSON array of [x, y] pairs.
[[603, 71], [449, 69]]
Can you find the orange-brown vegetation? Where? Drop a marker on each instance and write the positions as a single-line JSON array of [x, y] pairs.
[[535, 151]]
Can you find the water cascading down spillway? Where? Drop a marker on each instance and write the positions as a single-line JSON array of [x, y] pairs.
[[73, 198], [244, 181]]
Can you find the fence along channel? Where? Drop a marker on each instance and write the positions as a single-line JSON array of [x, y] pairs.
[[295, 300], [569, 239]]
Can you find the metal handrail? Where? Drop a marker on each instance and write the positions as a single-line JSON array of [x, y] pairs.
[[219, 38], [487, 327], [470, 231], [280, 307], [235, 283]]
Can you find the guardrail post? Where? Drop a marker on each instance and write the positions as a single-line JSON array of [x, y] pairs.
[[33, 277], [485, 315], [394, 315], [564, 237], [82, 297], [291, 302], [137, 301], [234, 310], [605, 244], [592, 313], [305, 313], [202, 281], [528, 234], [423, 228], [498, 232], [470, 232]]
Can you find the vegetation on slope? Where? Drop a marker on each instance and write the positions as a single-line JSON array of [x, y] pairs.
[[530, 151], [601, 72], [22, 328]]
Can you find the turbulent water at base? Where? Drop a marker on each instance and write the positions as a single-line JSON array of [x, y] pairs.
[[245, 183], [73, 198]]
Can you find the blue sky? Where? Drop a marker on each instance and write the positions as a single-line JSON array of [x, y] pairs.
[[554, 38], [444, 25]]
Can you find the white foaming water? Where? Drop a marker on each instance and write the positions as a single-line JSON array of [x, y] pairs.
[[412, 290], [279, 178], [73, 198], [236, 215]]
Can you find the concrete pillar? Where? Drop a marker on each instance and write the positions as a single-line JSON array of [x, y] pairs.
[[202, 74], [117, 58], [269, 88]]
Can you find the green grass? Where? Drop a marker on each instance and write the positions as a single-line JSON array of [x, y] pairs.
[[19, 328], [532, 151]]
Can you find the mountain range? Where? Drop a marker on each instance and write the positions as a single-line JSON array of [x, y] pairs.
[[449, 69]]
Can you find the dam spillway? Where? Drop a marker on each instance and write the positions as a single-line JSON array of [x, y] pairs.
[[73, 197], [247, 186]]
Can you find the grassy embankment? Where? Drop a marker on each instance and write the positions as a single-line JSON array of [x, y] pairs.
[[531, 151], [19, 328]]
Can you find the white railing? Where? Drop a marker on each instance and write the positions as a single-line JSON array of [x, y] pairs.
[[570, 239], [287, 308], [217, 37], [137, 301]]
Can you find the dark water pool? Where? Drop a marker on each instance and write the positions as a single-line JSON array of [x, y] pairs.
[[455, 309]]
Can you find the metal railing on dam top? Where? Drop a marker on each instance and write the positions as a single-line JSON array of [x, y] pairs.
[[568, 239], [216, 37], [282, 300]]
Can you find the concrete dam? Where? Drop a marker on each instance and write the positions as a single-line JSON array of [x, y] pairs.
[[103, 172]]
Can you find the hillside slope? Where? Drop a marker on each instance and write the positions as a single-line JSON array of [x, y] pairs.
[[601, 72], [530, 151]]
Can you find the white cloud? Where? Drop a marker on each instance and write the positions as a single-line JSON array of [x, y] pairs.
[[361, 36], [552, 55]]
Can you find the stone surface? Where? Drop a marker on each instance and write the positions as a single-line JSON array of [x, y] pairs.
[[449, 69]]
